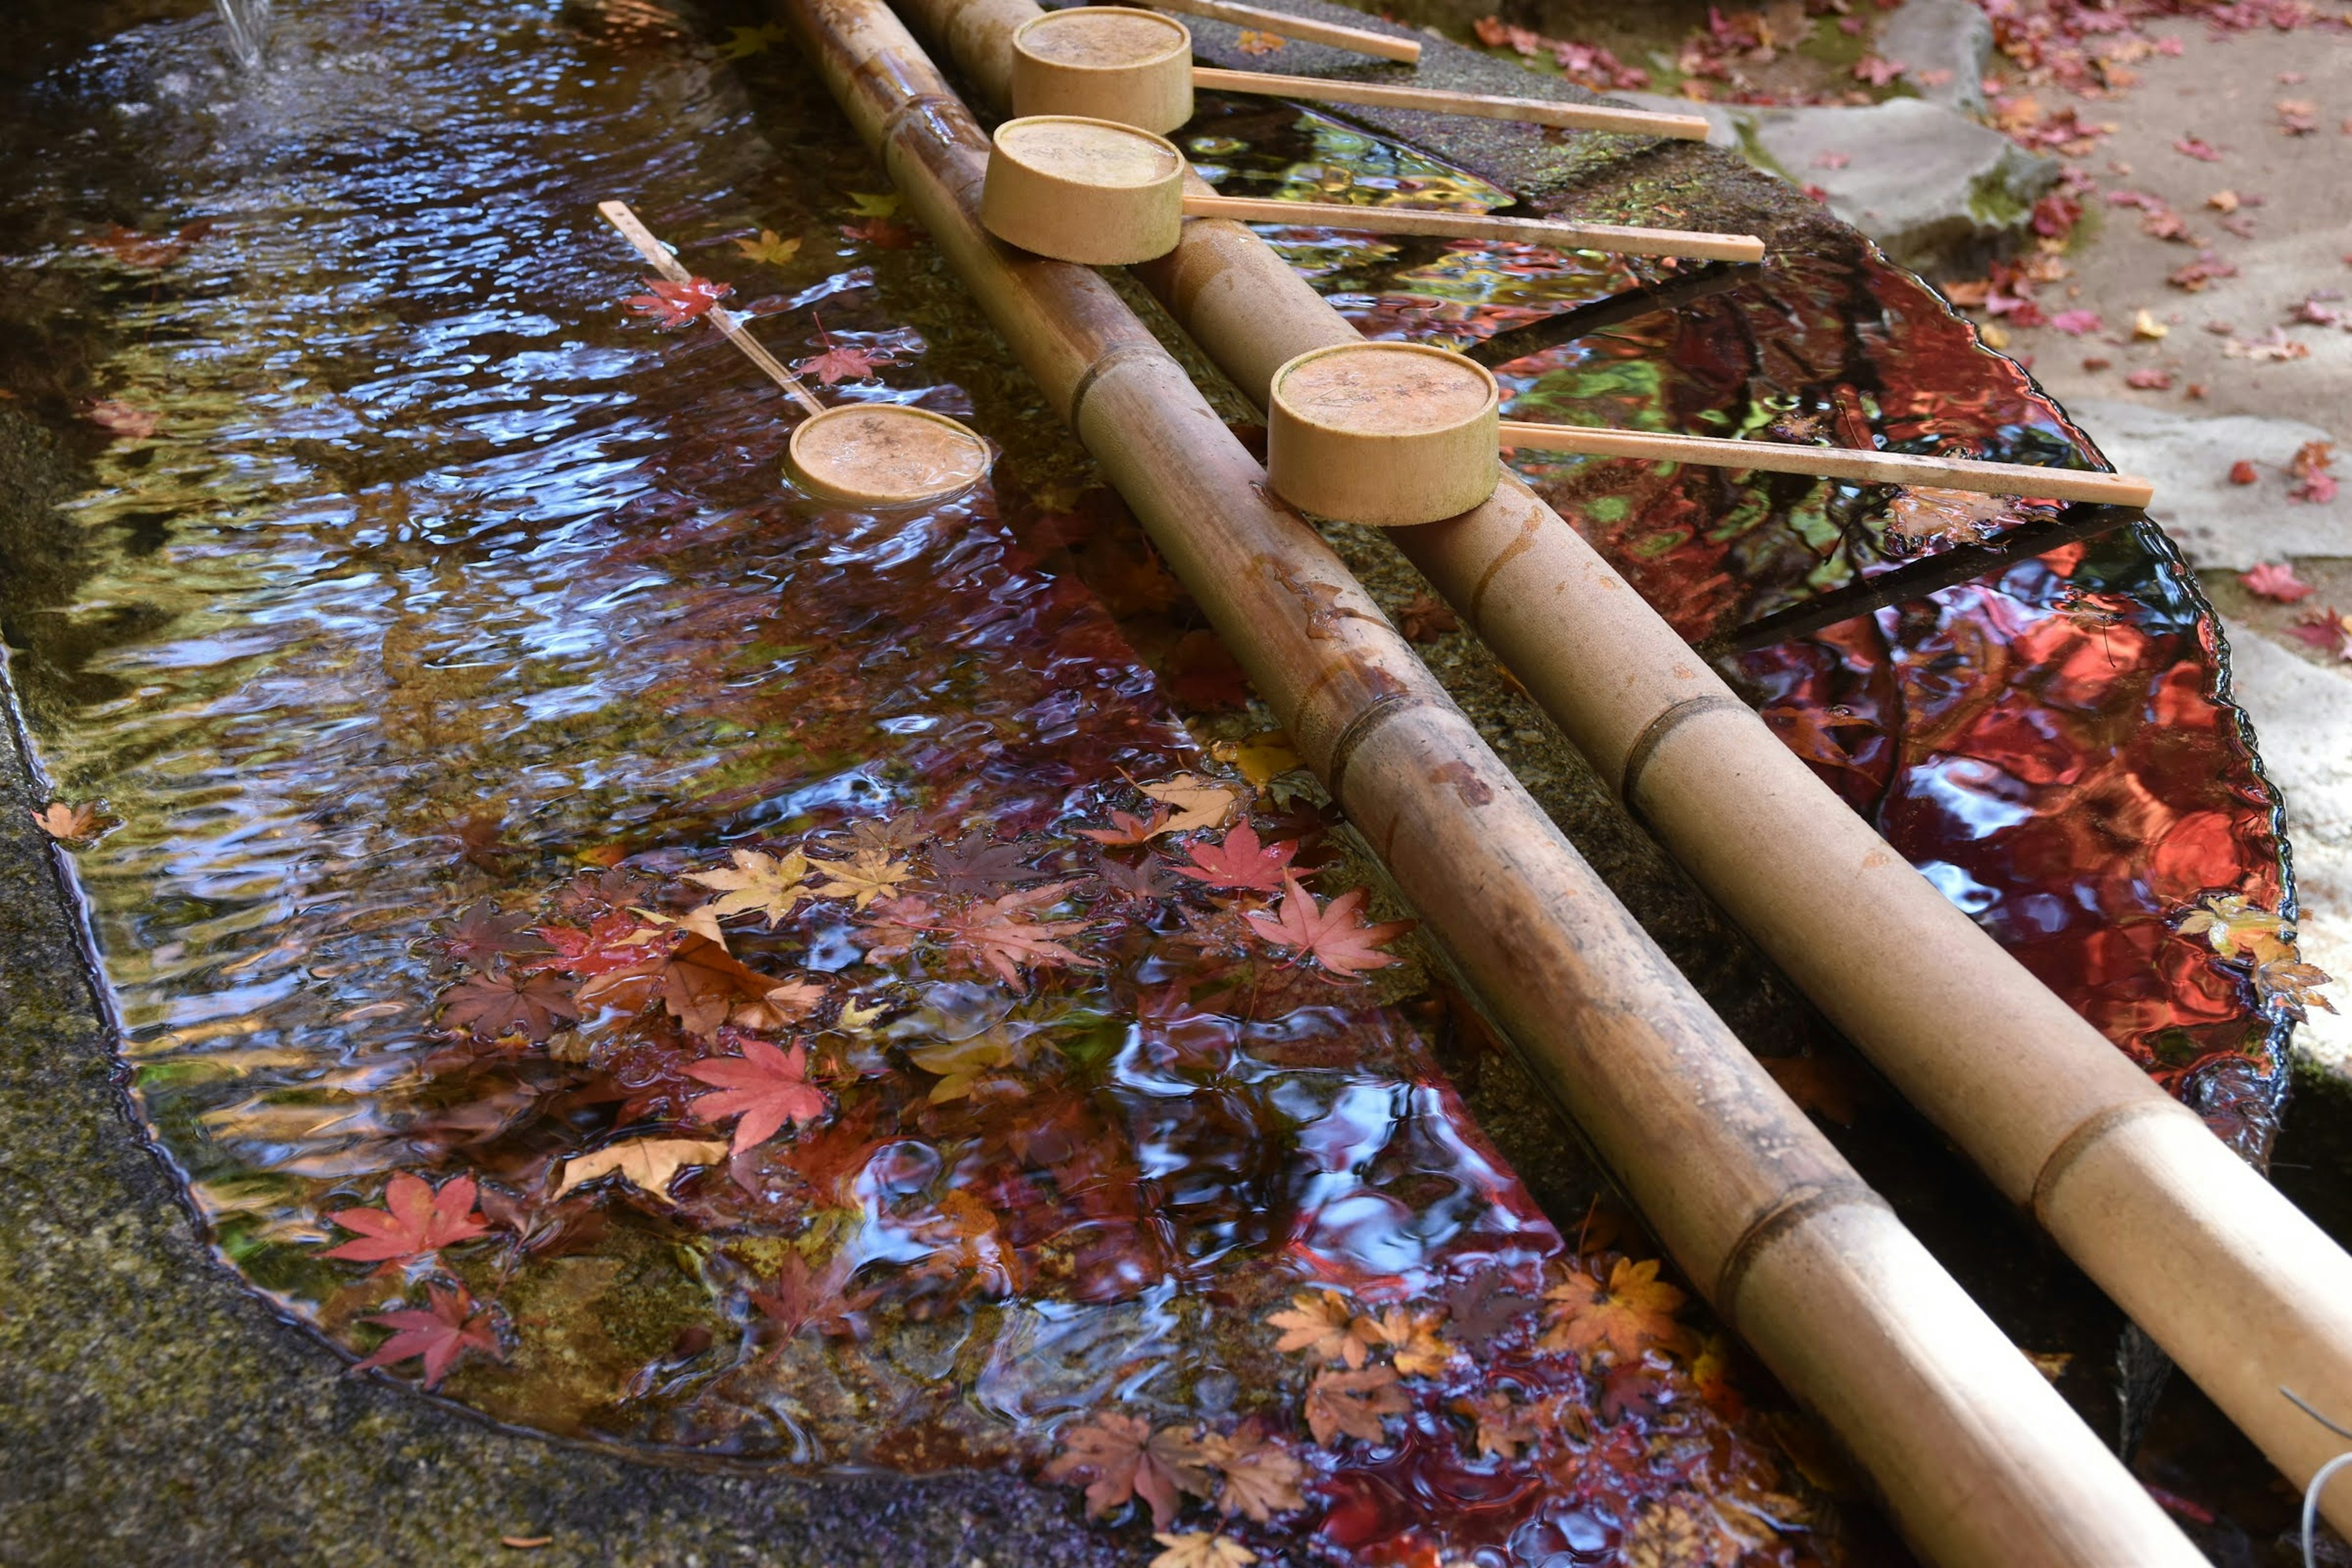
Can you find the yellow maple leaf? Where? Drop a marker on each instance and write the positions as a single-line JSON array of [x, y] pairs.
[[649, 1165], [1322, 1324], [767, 883], [1202, 1549], [2232, 923], [866, 204], [1418, 1350], [1634, 1311], [703, 920], [856, 1020], [1262, 758], [862, 878], [771, 248], [743, 43], [1198, 802]]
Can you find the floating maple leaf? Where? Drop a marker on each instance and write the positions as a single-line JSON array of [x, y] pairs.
[[137, 249], [862, 878], [771, 248], [122, 419], [1239, 862], [1807, 729], [698, 980], [778, 1005], [874, 204], [480, 935], [1504, 1426], [1120, 1456], [1415, 1345], [964, 1065], [1144, 883], [1199, 802], [769, 884], [508, 1002], [616, 941], [648, 1164], [676, 304], [743, 43], [1634, 1311], [2233, 923], [838, 364], [72, 824], [888, 834], [1125, 829], [1200, 1549], [415, 1221], [1337, 935], [1260, 1477], [440, 1333], [2289, 985], [1354, 1402], [1005, 933], [1321, 1323], [766, 1087], [883, 233], [2275, 581], [1483, 1307]]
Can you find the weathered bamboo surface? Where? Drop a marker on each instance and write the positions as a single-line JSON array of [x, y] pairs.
[[2243, 1292], [1432, 100], [1980, 1460], [1359, 41], [1617, 239]]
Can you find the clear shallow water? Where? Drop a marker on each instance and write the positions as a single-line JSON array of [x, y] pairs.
[[431, 625]]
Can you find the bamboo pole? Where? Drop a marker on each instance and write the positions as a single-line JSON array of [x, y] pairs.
[[1358, 40], [1445, 101], [2238, 1286], [1980, 1460], [658, 256], [1831, 462], [1615, 238]]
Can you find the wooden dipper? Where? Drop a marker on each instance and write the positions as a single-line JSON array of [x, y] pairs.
[[1348, 437]]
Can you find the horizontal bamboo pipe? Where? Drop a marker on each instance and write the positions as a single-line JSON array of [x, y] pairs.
[[1439, 101], [1358, 40], [1615, 238], [2237, 1284], [658, 256], [1981, 1460], [1834, 463]]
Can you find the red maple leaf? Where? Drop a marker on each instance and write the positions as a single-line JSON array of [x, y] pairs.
[[676, 304], [414, 1221], [1127, 828], [508, 1001], [440, 1333], [479, 934], [2199, 149], [1240, 862], [1878, 72], [887, 234], [1005, 933], [767, 1087], [2269, 580], [2242, 472], [807, 1296], [838, 364], [2310, 464], [616, 941], [1337, 935], [698, 980]]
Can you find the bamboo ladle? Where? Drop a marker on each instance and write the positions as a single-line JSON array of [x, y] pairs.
[[1389, 435], [1110, 193], [1404, 51], [860, 454], [1116, 62]]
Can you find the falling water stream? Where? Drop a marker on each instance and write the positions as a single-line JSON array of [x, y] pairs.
[[827, 969]]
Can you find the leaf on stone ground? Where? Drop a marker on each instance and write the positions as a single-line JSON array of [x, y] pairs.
[[1006, 935], [73, 824], [648, 1164], [2075, 323], [1923, 514], [1336, 935], [2150, 380], [1354, 1402], [616, 941], [1124, 829], [1878, 72], [122, 419], [743, 43], [678, 304], [1322, 1324], [778, 1005], [2242, 472], [508, 1002], [1425, 618], [1414, 1343], [978, 865], [1239, 862], [1261, 1476], [773, 885], [479, 935], [2196, 147], [1199, 803], [1628, 1315], [1504, 1426], [440, 1333], [2310, 465], [2291, 986], [2232, 924], [1252, 42], [415, 1221], [767, 1087], [839, 363], [1200, 1549], [1119, 1457], [697, 980], [862, 878], [2275, 581]]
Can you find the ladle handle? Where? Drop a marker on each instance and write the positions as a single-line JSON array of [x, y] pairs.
[[1835, 463], [658, 257], [1358, 39], [1611, 237], [1529, 111]]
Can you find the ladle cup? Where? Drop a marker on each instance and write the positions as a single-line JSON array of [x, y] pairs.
[[1109, 194], [1389, 435]]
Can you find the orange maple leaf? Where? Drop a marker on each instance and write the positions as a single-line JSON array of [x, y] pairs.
[[1322, 1324], [1336, 935], [1634, 1311]]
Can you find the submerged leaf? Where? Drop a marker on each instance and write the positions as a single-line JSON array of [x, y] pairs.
[[649, 1165], [1634, 1311], [766, 1087], [1200, 1549], [1336, 936], [772, 885], [440, 1333], [415, 1221], [1120, 1456], [1354, 1402]]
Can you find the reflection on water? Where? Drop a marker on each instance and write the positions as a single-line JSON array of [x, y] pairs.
[[667, 963]]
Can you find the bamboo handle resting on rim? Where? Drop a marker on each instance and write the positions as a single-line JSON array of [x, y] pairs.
[[1433, 100], [1358, 39], [658, 257], [1835, 463], [1612, 238]]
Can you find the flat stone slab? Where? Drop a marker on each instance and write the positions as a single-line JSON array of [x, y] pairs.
[[1945, 45], [2220, 525]]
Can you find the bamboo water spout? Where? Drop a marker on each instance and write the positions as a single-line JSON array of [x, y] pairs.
[[1981, 1459], [2237, 1284]]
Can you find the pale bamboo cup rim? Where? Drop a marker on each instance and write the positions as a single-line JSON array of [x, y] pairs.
[[885, 455], [1088, 18], [1307, 414], [1018, 140]]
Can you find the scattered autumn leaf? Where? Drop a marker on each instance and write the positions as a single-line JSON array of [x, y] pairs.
[[743, 43], [2150, 380], [2242, 472], [869, 204], [1125, 829], [1413, 1338], [2194, 147], [1265, 756], [771, 248], [773, 885], [1634, 1311], [1878, 72], [2147, 328], [503, 1002], [1260, 1477], [122, 419], [1239, 862], [439, 1334], [2309, 466], [887, 234], [1120, 1456], [1252, 42], [1200, 1549], [1923, 514], [2290, 984], [698, 980], [1198, 802], [1321, 1323], [1005, 933], [1504, 1426], [838, 364], [1354, 1402], [766, 1087], [414, 1222], [1336, 935], [478, 935], [72, 824], [676, 304], [778, 1005], [2275, 581], [862, 878], [648, 1164]]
